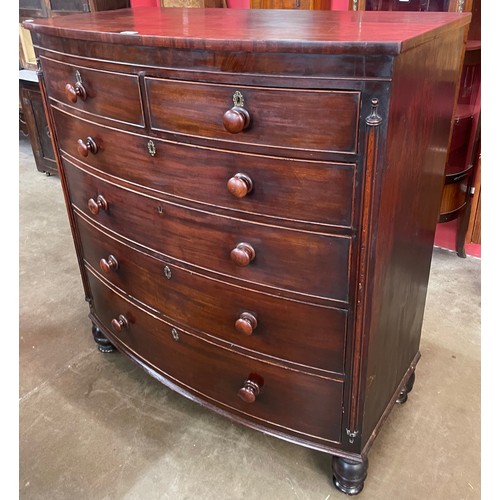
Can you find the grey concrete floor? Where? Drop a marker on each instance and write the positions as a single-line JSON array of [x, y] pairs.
[[95, 426]]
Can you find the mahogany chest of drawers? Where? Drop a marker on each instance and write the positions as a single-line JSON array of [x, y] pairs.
[[253, 196]]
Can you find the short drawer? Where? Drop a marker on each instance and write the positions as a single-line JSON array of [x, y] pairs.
[[293, 331], [308, 191], [257, 253], [289, 400], [315, 120], [103, 93]]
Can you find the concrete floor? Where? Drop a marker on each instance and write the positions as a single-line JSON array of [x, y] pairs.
[[95, 426]]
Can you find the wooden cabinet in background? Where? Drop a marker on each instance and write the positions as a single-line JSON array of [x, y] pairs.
[[462, 186], [33, 116], [412, 5], [32, 9], [291, 4], [207, 4], [460, 189], [52, 8], [474, 230]]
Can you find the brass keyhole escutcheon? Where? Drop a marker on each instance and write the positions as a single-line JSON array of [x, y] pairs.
[[175, 334], [151, 148], [168, 272], [238, 99]]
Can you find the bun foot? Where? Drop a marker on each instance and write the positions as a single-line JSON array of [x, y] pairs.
[[103, 344], [403, 395], [349, 475]]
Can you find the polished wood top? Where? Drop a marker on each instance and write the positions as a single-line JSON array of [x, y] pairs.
[[255, 30]]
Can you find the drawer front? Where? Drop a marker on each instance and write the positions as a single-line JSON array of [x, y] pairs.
[[317, 120], [107, 94], [293, 190], [289, 330], [289, 399], [299, 261]]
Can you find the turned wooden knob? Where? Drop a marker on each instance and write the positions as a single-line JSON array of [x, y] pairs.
[[236, 119], [86, 146], [73, 92], [109, 264], [119, 324], [95, 205], [240, 185], [246, 323], [242, 254], [252, 387]]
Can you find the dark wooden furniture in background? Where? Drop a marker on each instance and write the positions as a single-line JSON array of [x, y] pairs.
[[291, 4], [469, 228], [271, 268], [459, 190], [473, 234], [196, 4], [412, 5], [207, 4], [50, 8], [33, 115]]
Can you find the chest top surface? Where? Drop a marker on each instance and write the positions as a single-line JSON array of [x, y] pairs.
[[256, 30]]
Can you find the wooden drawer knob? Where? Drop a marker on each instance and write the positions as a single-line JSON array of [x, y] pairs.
[[242, 254], [236, 119], [119, 324], [246, 323], [96, 205], [252, 387], [240, 185], [73, 92], [109, 264], [87, 146]]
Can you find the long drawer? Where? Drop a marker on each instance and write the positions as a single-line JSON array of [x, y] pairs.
[[95, 91], [305, 334], [291, 400], [257, 253], [285, 189], [315, 120]]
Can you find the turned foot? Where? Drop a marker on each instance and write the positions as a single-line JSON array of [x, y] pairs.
[[349, 475], [103, 344], [403, 395]]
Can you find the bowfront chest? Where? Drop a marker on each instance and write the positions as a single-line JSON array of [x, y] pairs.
[[253, 197]]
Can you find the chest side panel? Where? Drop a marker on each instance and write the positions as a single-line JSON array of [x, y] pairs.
[[409, 182]]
